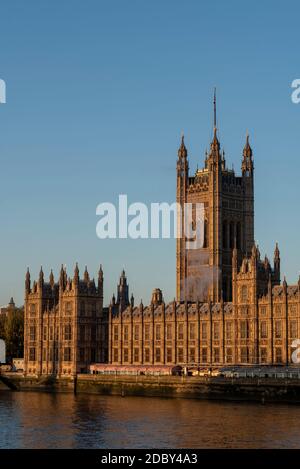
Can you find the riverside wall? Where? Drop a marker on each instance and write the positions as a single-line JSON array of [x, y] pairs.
[[239, 389]]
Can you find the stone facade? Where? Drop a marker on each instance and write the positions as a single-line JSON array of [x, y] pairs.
[[231, 307], [258, 326], [206, 273], [65, 324]]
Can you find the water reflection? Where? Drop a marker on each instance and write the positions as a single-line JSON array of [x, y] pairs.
[[40, 420]]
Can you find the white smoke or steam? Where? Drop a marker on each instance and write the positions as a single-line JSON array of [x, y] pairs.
[[201, 277]]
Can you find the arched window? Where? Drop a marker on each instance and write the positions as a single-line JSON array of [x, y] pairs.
[[244, 293]]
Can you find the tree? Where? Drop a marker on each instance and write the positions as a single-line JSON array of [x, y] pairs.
[[12, 331]]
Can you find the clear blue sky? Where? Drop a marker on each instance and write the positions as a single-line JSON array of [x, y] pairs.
[[98, 93]]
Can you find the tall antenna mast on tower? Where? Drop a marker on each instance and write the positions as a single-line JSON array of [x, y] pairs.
[[215, 109]]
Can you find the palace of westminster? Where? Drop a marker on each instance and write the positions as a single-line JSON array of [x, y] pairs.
[[231, 306]]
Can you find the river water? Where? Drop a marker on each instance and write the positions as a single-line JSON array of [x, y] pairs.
[[41, 420]]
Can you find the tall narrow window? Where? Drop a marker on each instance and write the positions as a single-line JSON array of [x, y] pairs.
[[293, 329], [192, 331], [225, 242], [204, 331], [278, 328], [169, 332], [68, 332], [216, 330], [67, 354], [244, 329], [263, 330], [244, 293], [32, 354], [180, 331], [228, 329], [32, 333]]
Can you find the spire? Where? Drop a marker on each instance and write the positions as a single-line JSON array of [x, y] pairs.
[[215, 145], [123, 291], [51, 278], [62, 277], [284, 284], [277, 263], [247, 162], [247, 152], [276, 252], [41, 276], [76, 274], [132, 300], [182, 152], [27, 281], [11, 303], [86, 275], [182, 165]]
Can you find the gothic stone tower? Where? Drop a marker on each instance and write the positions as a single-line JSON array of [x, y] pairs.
[[205, 273], [65, 325]]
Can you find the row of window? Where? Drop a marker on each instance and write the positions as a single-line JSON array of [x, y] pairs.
[[232, 235], [85, 333], [52, 354], [84, 308], [148, 358], [90, 355], [157, 332], [244, 331]]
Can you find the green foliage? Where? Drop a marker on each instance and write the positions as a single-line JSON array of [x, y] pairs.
[[12, 331]]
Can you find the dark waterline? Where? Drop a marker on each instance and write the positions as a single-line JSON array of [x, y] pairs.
[[41, 420]]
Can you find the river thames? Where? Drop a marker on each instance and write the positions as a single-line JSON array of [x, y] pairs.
[[41, 420]]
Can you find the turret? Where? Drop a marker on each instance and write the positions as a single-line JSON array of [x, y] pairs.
[[157, 297], [123, 292], [181, 199]]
